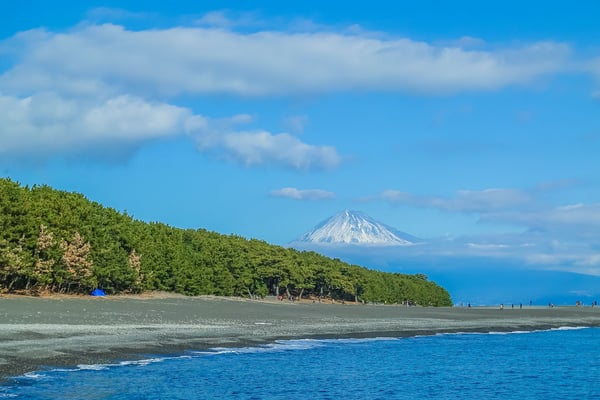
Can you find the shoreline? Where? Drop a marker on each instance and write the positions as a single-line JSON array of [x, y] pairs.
[[47, 332]]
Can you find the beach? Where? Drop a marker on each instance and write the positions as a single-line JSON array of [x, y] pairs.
[[37, 333]]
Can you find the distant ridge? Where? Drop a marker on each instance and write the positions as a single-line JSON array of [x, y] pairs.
[[355, 228]]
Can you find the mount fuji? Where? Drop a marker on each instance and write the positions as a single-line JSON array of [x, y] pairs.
[[355, 228], [472, 274]]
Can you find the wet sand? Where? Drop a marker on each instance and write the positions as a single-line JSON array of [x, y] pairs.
[[38, 333]]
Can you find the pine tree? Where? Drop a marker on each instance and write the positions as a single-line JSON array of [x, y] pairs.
[[13, 262], [135, 263], [44, 262], [77, 262]]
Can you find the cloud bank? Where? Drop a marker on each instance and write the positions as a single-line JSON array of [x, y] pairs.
[[107, 83], [469, 201], [200, 60], [561, 237], [514, 206], [46, 124]]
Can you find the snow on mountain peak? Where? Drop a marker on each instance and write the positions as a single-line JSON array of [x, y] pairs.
[[356, 228]]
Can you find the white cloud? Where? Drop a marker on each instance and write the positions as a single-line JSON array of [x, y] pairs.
[[582, 218], [262, 147], [307, 194], [46, 123], [561, 237], [540, 250], [216, 19], [514, 207], [296, 123], [585, 261], [228, 19], [465, 200], [550, 186], [492, 246], [470, 41], [215, 60], [593, 67], [104, 83]]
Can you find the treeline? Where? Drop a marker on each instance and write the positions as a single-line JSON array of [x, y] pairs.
[[53, 241]]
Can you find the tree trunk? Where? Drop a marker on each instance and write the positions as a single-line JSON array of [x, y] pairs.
[[11, 284]]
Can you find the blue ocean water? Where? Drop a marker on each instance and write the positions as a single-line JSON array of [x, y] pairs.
[[555, 364]]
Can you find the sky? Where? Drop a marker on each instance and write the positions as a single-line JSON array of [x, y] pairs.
[[472, 124]]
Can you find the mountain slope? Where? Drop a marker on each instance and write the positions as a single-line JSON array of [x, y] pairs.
[[356, 228]]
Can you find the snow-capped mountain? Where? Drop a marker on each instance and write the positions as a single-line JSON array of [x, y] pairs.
[[356, 228]]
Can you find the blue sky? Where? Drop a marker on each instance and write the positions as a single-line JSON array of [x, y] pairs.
[[471, 124]]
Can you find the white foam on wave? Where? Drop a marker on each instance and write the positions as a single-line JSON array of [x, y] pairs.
[[515, 332], [510, 332], [285, 345], [360, 340], [277, 346], [569, 328], [148, 361], [560, 328], [35, 375], [93, 367]]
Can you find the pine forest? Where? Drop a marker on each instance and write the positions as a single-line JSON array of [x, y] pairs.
[[54, 241]]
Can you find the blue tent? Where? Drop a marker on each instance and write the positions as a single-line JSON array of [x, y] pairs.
[[98, 292]]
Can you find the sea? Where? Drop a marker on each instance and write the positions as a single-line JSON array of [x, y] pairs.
[[559, 363]]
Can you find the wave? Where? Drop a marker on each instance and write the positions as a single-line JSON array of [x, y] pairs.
[[569, 328], [284, 345], [560, 328], [38, 375], [276, 346], [515, 332]]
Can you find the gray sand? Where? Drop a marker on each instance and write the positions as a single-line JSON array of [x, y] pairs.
[[38, 332]]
